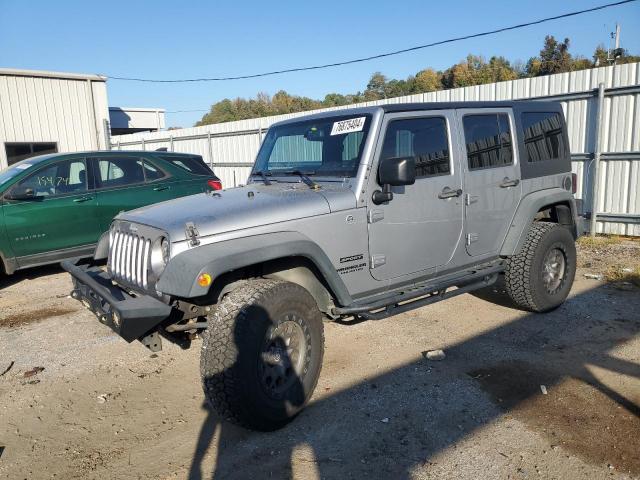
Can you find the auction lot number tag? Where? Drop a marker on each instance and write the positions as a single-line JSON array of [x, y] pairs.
[[347, 126]]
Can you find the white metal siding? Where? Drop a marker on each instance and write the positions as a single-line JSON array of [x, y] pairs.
[[233, 146], [38, 108]]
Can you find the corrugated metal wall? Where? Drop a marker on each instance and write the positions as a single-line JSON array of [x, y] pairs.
[[40, 107], [231, 147]]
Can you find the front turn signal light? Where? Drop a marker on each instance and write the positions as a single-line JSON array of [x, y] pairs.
[[204, 280]]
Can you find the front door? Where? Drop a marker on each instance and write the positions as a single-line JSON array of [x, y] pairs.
[[420, 228], [60, 216], [492, 178]]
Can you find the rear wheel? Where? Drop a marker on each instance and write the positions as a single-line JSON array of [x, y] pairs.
[[540, 277], [262, 353]]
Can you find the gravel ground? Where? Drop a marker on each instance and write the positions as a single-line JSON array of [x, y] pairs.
[[102, 408]]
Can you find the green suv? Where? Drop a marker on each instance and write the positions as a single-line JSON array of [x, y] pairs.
[[55, 207]]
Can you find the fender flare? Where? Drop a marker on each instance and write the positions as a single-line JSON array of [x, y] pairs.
[[181, 273], [525, 213]]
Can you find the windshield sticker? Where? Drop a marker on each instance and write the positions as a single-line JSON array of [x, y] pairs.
[[347, 126], [23, 166]]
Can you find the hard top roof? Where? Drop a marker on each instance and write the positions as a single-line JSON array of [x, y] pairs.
[[409, 107]]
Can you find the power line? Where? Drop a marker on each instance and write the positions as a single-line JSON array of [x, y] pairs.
[[381, 55]]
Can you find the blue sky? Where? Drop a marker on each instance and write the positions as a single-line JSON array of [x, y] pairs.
[[183, 39]]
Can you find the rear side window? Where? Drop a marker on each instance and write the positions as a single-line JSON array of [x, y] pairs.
[[488, 139], [151, 172], [118, 171], [193, 165], [424, 139], [543, 136]]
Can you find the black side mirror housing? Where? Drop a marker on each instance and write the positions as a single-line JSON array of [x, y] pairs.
[[397, 171], [20, 193], [394, 172]]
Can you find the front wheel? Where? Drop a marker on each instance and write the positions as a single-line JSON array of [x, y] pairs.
[[262, 353], [540, 276]]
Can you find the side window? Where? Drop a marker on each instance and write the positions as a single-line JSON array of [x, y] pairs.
[[151, 172], [118, 171], [488, 139], [543, 136], [425, 139], [66, 177]]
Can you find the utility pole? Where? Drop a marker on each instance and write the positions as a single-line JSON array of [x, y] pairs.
[[617, 52]]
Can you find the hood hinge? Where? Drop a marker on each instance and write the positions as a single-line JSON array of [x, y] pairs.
[[192, 234]]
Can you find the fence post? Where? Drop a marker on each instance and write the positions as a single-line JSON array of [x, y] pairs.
[[595, 190], [171, 143], [210, 151], [143, 147], [107, 133]]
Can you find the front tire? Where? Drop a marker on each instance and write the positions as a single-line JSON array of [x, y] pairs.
[[540, 276], [262, 354]]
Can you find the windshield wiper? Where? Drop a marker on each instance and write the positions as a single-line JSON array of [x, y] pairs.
[[263, 175], [304, 176]]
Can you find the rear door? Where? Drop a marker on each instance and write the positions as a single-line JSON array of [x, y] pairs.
[[492, 177], [61, 215], [420, 228]]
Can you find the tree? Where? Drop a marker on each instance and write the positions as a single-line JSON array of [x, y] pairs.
[[427, 80], [600, 56], [554, 58], [376, 88]]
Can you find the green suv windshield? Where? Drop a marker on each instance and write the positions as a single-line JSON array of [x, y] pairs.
[[330, 146], [8, 173]]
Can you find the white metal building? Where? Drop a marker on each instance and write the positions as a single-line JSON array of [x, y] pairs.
[[44, 112], [125, 120]]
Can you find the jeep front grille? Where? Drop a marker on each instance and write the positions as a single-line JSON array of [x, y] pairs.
[[129, 257]]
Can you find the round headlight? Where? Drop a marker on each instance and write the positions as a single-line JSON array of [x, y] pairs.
[[160, 252]]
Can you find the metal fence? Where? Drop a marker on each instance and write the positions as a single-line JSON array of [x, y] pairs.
[[603, 132]]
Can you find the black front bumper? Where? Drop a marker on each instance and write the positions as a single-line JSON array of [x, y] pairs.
[[130, 317]]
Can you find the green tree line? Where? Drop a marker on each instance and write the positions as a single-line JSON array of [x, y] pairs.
[[554, 57]]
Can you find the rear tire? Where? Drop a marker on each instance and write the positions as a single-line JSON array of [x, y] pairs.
[[262, 354], [540, 277]]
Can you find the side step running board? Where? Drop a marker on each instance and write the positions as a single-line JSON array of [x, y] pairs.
[[420, 297]]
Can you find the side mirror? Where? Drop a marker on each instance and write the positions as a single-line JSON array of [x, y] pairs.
[[21, 193], [394, 172]]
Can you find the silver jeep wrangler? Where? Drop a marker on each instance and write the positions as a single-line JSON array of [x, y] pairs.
[[354, 215]]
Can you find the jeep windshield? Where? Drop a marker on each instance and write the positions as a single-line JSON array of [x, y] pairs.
[[328, 147]]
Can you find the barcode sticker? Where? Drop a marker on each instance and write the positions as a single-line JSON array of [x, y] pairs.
[[347, 126]]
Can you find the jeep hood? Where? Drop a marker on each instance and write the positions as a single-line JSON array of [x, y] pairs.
[[242, 207]]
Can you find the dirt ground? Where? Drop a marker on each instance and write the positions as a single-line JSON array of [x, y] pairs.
[[102, 408]]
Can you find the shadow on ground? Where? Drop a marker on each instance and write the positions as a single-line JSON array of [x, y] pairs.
[[431, 406]]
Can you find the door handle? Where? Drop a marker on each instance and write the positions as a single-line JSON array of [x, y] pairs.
[[449, 193], [507, 182], [86, 198], [159, 188]]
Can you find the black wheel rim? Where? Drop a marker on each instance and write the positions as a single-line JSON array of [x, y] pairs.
[[283, 357], [554, 270]]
